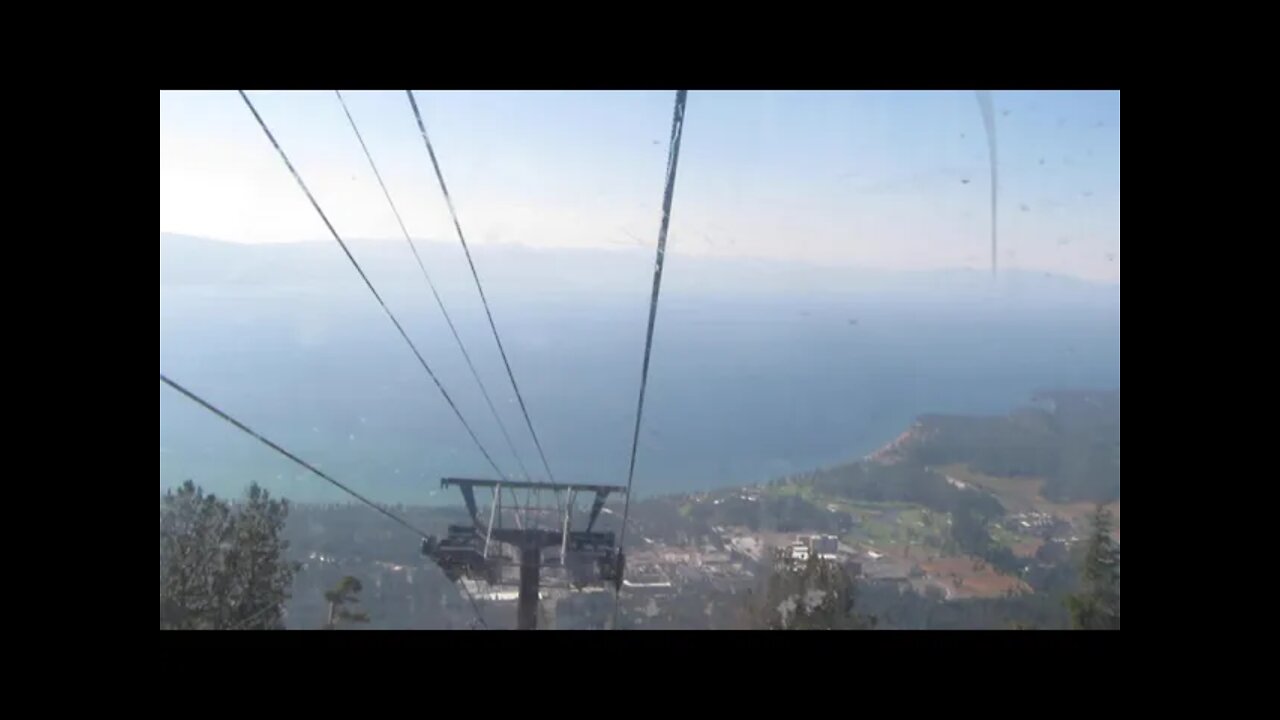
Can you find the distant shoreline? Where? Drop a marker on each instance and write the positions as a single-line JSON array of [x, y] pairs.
[[887, 453]]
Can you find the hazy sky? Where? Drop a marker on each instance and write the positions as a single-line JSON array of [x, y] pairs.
[[874, 179]]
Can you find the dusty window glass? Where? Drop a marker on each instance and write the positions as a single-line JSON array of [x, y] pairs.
[[883, 388]]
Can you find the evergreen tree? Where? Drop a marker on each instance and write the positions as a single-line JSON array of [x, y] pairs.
[[345, 594], [818, 595], [223, 566], [1097, 605]]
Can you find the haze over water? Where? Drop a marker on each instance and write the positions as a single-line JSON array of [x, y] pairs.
[[746, 385]]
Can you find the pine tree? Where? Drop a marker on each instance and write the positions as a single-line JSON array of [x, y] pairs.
[[222, 566], [346, 593], [818, 595], [1097, 606]]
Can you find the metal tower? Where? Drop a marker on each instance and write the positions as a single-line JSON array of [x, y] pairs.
[[489, 545]]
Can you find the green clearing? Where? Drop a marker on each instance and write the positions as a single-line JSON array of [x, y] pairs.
[[1004, 537]]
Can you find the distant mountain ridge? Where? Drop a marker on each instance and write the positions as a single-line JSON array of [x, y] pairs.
[[191, 260]]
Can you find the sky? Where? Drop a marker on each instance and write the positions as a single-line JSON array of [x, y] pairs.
[[874, 179]]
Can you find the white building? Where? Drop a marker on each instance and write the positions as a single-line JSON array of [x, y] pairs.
[[799, 552], [825, 547]]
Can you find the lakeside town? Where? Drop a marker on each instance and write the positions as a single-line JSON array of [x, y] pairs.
[[908, 521]]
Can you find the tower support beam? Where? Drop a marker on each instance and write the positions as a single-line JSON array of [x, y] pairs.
[[527, 611]]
